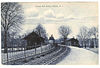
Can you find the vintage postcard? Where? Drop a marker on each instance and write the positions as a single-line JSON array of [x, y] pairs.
[[49, 33]]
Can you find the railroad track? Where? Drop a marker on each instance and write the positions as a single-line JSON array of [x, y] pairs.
[[43, 59], [58, 58], [51, 58]]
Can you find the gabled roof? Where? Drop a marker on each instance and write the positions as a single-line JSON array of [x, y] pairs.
[[51, 38], [72, 39], [32, 35]]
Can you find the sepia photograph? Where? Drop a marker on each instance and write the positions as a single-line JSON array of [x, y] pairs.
[[49, 33]]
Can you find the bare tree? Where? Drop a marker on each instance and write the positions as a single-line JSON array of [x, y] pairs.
[[41, 32], [11, 18], [83, 35], [94, 33], [64, 31]]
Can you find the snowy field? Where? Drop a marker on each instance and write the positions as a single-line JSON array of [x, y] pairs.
[[80, 56]]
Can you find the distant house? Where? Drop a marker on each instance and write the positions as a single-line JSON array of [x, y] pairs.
[[33, 40], [72, 42], [51, 39]]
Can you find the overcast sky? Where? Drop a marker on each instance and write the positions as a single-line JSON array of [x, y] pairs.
[[53, 15]]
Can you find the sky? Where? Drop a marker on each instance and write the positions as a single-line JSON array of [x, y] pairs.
[[53, 15]]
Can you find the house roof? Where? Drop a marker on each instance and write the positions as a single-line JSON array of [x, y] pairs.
[[72, 39], [51, 38], [32, 36]]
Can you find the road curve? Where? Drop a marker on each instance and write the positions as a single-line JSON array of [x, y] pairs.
[[79, 56]]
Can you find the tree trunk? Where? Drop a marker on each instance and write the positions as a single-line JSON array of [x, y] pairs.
[[64, 41], [82, 43], [5, 42], [95, 42], [89, 43], [85, 43]]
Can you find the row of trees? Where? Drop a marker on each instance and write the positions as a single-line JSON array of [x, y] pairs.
[[86, 35]]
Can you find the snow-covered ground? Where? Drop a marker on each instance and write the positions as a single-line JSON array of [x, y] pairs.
[[20, 54], [96, 50], [77, 56], [80, 56]]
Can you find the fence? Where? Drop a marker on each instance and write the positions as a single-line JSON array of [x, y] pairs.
[[21, 53]]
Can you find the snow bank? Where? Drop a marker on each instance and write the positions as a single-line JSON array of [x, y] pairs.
[[80, 56]]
